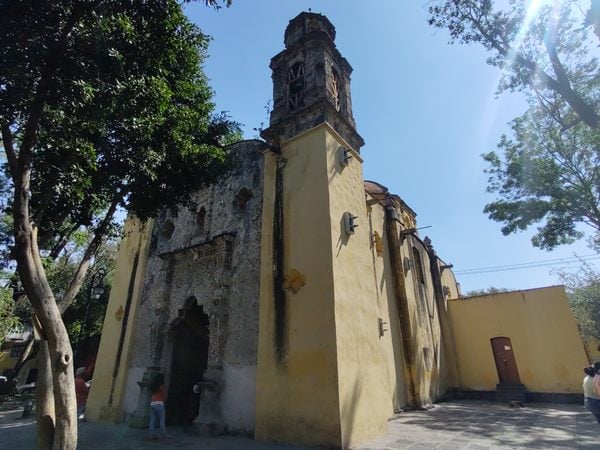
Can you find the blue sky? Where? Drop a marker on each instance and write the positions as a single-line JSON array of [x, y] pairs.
[[427, 111]]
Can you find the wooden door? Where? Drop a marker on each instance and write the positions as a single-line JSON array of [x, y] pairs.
[[506, 365]]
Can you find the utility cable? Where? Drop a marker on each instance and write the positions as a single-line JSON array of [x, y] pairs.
[[528, 265]]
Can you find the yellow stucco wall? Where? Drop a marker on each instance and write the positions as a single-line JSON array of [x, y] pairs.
[[364, 382], [547, 347], [391, 341], [424, 317], [450, 374], [339, 381], [297, 399], [99, 405]]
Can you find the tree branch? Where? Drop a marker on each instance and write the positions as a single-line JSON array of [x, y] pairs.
[[63, 241], [9, 149], [561, 85], [583, 110], [99, 233]]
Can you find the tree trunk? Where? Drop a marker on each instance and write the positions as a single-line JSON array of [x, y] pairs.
[[33, 277], [29, 263], [44, 398], [63, 383]]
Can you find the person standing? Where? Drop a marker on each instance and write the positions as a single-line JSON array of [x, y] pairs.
[[157, 407], [82, 391], [591, 397], [597, 378]]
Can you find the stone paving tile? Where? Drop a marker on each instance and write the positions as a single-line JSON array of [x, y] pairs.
[[449, 426], [486, 425]]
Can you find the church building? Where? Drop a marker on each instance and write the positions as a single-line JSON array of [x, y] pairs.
[[298, 298]]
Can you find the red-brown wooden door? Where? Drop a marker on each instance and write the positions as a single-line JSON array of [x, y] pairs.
[[506, 365]]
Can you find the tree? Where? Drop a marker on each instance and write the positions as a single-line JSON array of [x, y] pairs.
[[583, 290], [547, 175], [548, 171], [486, 291], [543, 49], [84, 318], [103, 105], [8, 320]]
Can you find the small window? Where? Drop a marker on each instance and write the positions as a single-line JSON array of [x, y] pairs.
[[418, 265], [200, 220], [241, 199], [335, 89], [167, 229], [17, 351], [296, 86]]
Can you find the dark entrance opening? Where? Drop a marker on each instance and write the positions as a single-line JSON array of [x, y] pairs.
[[189, 336], [506, 365]]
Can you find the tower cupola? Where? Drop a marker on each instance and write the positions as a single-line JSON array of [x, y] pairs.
[[311, 82]]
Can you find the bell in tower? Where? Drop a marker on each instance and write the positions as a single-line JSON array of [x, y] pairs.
[[311, 83]]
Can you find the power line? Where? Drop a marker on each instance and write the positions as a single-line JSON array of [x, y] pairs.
[[528, 265]]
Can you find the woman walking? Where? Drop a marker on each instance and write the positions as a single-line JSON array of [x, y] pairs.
[[591, 396], [157, 407]]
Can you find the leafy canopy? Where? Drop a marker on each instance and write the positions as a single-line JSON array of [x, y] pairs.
[[542, 48], [8, 320], [128, 117], [547, 176], [583, 290], [547, 172]]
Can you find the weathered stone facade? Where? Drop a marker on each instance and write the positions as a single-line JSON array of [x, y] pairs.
[[209, 257]]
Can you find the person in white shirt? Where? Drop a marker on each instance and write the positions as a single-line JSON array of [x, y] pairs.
[[590, 394]]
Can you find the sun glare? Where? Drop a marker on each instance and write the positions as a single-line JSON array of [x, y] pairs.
[[532, 9]]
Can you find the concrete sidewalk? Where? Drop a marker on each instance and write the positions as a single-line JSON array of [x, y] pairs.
[[17, 434], [488, 425], [456, 425]]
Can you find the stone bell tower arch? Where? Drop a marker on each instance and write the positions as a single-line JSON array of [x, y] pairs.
[[314, 384], [311, 82]]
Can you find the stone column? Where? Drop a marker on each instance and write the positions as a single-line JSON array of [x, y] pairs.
[[141, 417], [209, 421]]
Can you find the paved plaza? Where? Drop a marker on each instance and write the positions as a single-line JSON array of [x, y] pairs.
[[486, 425], [456, 425]]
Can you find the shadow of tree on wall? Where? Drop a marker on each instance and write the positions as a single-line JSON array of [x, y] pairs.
[[348, 412]]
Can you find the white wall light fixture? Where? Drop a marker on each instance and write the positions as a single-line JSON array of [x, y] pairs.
[[344, 156], [350, 223]]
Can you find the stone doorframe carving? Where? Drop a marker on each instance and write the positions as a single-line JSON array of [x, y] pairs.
[[212, 257]]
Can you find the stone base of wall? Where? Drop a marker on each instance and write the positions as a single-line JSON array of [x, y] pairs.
[[534, 397], [549, 397]]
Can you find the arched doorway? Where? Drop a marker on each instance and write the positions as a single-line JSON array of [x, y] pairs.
[[189, 357]]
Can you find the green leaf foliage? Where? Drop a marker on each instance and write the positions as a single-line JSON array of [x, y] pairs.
[[583, 290], [546, 173], [486, 291], [549, 177], [546, 51], [129, 115], [8, 320]]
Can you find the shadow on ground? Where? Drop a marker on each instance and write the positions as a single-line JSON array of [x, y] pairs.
[[487, 425], [456, 425]]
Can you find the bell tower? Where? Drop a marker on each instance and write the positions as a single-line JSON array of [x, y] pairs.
[[314, 384], [311, 82]]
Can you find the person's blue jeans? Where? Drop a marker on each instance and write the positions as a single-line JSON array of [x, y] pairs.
[[593, 406], [157, 415]]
